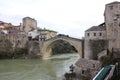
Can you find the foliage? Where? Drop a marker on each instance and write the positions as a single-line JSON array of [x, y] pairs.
[[5, 55], [108, 59], [70, 76], [63, 47], [20, 52]]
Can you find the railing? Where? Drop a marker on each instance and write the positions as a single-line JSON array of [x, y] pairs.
[[105, 73]]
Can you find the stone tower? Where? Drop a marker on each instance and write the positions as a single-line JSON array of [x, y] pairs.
[[29, 24], [112, 21]]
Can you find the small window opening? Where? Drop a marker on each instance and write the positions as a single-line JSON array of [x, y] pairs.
[[111, 7], [93, 65], [83, 72], [88, 34], [94, 34], [100, 34]]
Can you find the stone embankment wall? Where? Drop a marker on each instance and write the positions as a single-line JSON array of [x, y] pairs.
[[34, 50]]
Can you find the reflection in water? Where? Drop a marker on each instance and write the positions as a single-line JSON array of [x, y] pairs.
[[51, 69]]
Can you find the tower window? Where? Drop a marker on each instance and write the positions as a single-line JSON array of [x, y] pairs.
[[94, 34], [117, 15], [93, 65], [88, 34], [111, 7], [100, 34]]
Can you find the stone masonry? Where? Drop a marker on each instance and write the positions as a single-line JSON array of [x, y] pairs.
[[87, 68], [112, 20]]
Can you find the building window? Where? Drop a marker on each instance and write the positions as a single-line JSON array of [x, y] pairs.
[[117, 15], [111, 7], [88, 34], [119, 24], [100, 34], [94, 34], [93, 65], [18, 41], [83, 72]]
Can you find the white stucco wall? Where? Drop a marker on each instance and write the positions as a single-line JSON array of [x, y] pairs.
[[33, 33]]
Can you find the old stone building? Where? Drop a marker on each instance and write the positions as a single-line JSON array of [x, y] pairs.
[[18, 35], [100, 39], [87, 68], [29, 24], [41, 34], [14, 36], [109, 31], [95, 33], [5, 44], [46, 34], [112, 20]]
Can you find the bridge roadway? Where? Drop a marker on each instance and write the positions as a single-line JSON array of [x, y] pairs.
[[46, 47]]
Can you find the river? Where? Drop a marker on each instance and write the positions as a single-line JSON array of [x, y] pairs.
[[35, 69]]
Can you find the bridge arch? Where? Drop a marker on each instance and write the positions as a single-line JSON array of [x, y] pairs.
[[47, 45]]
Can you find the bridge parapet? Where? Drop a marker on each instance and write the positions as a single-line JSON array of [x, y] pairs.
[[65, 37]]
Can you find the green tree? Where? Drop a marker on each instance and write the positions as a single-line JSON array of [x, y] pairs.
[[20, 52], [62, 47]]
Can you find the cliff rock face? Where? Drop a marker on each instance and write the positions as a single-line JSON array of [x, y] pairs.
[[61, 47], [34, 50]]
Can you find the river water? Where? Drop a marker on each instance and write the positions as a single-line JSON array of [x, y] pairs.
[[35, 69]]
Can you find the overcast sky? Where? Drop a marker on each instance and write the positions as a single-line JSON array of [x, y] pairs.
[[70, 17]]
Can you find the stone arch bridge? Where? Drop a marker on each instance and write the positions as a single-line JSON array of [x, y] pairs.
[[47, 45]]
